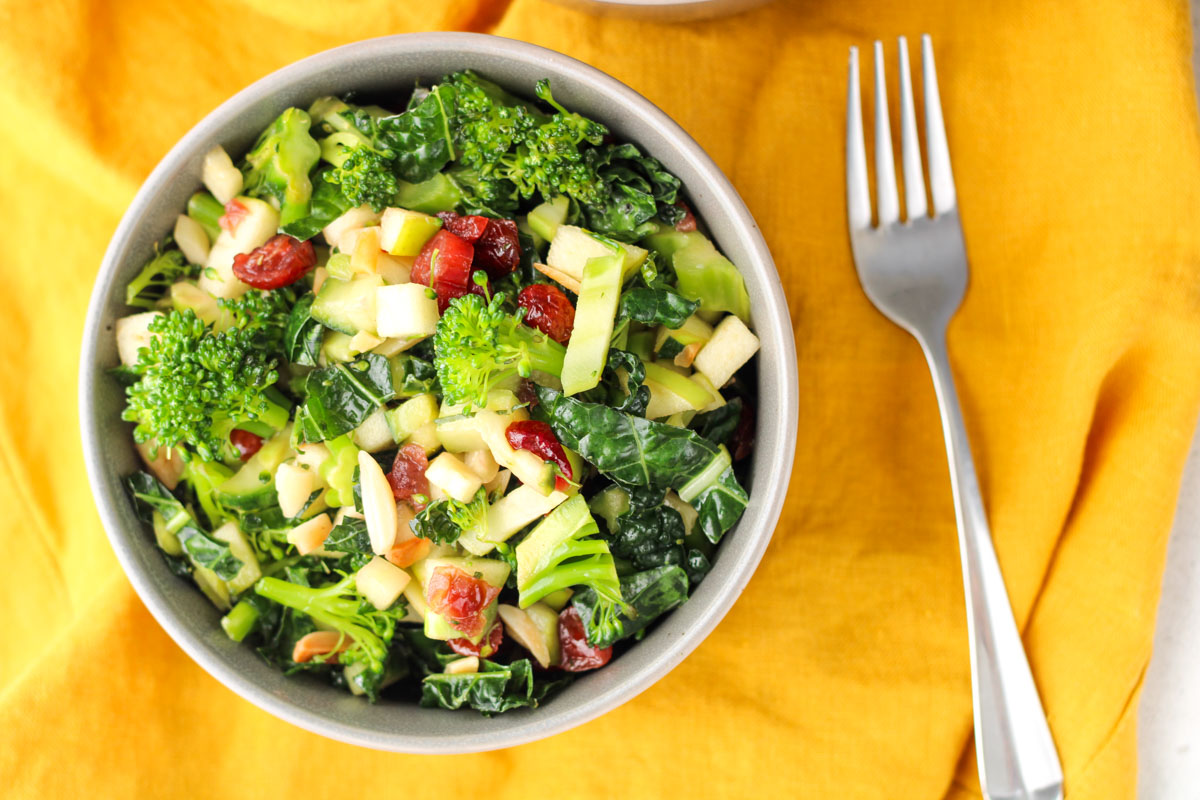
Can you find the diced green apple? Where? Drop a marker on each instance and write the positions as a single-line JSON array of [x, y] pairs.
[[572, 247], [405, 310], [405, 232], [731, 346]]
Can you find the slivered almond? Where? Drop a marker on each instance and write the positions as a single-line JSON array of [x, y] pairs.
[[687, 355], [379, 504], [463, 666], [318, 644], [557, 275]]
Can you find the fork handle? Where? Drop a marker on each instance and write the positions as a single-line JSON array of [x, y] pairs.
[[1017, 757]]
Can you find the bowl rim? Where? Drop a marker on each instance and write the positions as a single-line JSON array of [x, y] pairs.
[[768, 495]]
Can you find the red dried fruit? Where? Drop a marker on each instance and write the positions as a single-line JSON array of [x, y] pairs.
[[460, 598], [577, 654], [245, 442], [688, 223], [235, 212], [444, 264], [486, 648], [549, 310], [470, 227], [538, 438], [498, 250], [282, 261], [741, 444], [407, 476]]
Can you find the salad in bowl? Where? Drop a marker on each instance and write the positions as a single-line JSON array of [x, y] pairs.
[[448, 402]]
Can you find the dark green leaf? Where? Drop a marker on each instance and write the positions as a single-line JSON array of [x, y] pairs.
[[657, 306], [639, 452], [420, 137], [651, 593], [341, 396], [496, 688], [719, 424], [205, 551], [328, 203], [349, 536]]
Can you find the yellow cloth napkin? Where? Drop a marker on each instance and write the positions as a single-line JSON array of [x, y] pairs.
[[842, 671]]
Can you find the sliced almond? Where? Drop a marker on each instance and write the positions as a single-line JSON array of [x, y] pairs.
[[463, 666], [558, 276], [309, 535], [379, 504], [320, 644], [687, 355], [521, 628], [319, 276]]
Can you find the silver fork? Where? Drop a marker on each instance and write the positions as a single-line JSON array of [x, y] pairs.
[[915, 272]]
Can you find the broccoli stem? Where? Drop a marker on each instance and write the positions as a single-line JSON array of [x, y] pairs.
[[207, 210], [240, 620], [592, 571], [545, 354], [327, 607]]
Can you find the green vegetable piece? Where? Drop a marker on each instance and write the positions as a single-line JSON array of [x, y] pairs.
[[667, 240], [336, 347], [479, 346], [338, 607], [405, 419], [705, 275], [564, 550], [252, 487], [438, 193], [443, 521], [304, 335], [340, 396], [338, 471], [278, 165], [196, 385], [639, 452], [496, 688], [207, 210], [595, 314], [347, 306], [546, 218], [661, 379], [327, 204], [405, 232], [656, 307], [641, 344], [160, 272], [649, 594], [241, 619]]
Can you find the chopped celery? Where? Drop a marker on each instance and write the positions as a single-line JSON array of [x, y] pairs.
[[207, 210], [704, 274], [439, 193], [595, 313]]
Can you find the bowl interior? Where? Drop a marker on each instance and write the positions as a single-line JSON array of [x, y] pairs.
[[392, 66]]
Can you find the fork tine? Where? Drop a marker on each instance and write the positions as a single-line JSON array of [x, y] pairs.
[[941, 179], [885, 166], [858, 198], [910, 146]]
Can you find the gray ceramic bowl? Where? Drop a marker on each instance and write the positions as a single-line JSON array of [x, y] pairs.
[[395, 63]]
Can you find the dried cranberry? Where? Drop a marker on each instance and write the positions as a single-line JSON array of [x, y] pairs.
[[741, 444], [498, 250], [460, 598], [407, 476], [527, 392], [245, 442], [577, 654], [235, 212], [688, 223], [549, 310], [470, 227], [538, 438], [486, 647], [282, 261], [444, 264]]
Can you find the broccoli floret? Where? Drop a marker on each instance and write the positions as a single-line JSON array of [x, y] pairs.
[[479, 344], [196, 385], [365, 176], [565, 550], [338, 607], [515, 149], [443, 521], [167, 266], [277, 167]]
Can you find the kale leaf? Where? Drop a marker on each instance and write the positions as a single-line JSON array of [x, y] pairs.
[[661, 306], [420, 137], [443, 521], [651, 593], [150, 495], [719, 424], [327, 204], [634, 451], [304, 335], [496, 688], [341, 396]]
